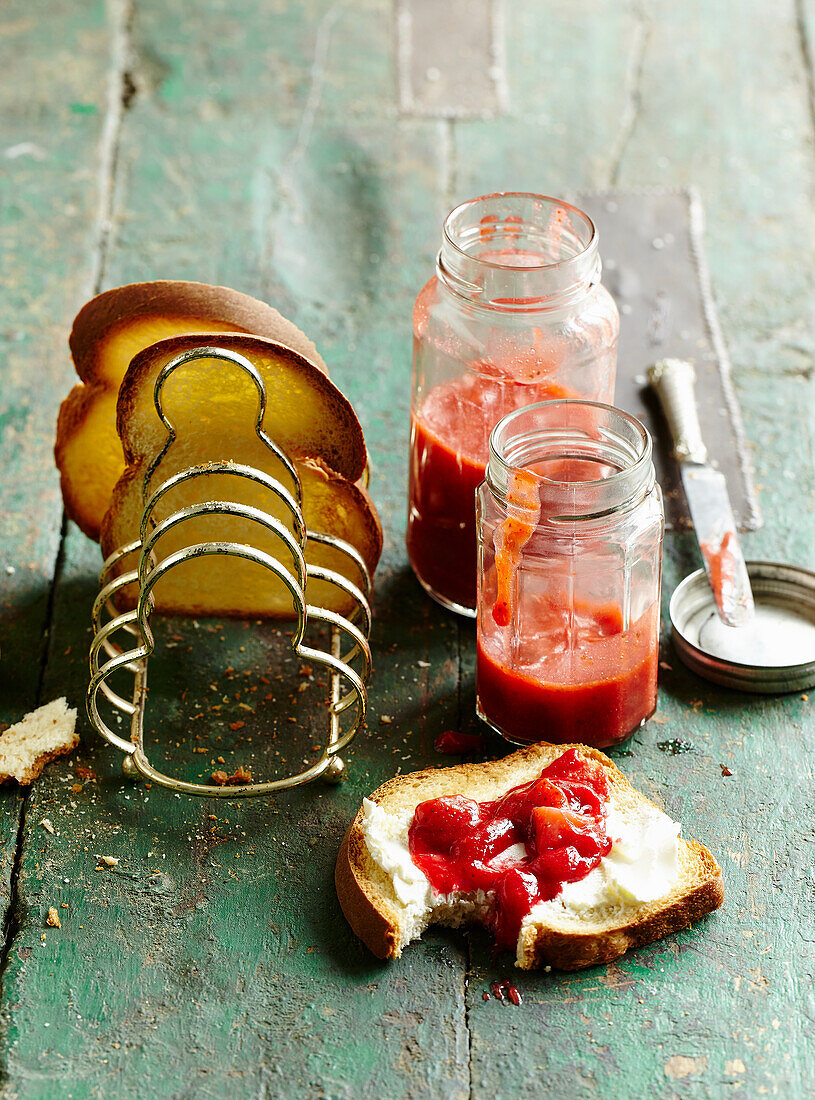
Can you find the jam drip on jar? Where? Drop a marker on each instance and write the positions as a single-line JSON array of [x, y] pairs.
[[559, 818], [524, 507]]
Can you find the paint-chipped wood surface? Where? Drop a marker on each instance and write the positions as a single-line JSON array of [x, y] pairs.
[[306, 152]]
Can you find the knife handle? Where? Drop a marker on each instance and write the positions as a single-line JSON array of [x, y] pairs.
[[673, 380]]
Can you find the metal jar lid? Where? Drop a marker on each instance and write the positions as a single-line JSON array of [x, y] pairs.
[[776, 653]]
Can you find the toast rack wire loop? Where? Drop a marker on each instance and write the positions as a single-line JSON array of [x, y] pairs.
[[125, 640]]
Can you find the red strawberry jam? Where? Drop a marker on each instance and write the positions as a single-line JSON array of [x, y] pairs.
[[560, 818]]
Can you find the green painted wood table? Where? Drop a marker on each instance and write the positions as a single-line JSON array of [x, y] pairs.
[[306, 153]]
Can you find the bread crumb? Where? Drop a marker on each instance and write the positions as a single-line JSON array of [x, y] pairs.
[[46, 824], [52, 920], [109, 861], [241, 775], [25, 748]]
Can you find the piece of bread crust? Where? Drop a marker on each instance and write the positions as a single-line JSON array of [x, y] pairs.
[[372, 910], [108, 313], [42, 735], [106, 333], [305, 412]]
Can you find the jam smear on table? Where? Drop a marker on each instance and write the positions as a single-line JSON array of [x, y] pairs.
[[502, 988], [456, 743], [559, 818]]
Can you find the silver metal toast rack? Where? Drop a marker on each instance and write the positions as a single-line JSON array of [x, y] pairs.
[[124, 640]]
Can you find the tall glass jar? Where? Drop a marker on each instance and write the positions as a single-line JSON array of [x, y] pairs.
[[515, 314], [570, 527]]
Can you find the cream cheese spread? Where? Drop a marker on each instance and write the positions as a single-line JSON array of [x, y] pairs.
[[386, 836], [642, 866]]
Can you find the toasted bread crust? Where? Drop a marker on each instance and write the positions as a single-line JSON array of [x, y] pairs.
[[347, 455], [37, 765], [572, 951], [103, 315], [376, 922], [73, 412]]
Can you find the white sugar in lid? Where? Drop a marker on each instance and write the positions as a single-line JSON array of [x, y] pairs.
[[775, 652]]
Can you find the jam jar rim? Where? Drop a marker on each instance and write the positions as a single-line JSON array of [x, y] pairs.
[[640, 473], [559, 264]]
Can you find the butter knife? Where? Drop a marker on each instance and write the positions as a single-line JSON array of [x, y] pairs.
[[706, 492]]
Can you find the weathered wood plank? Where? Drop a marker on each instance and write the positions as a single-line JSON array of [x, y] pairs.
[[568, 69], [216, 972], [50, 133], [261, 148], [726, 1004], [52, 107]]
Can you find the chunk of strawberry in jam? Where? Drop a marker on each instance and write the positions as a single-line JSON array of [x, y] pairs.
[[571, 766], [553, 827], [582, 799], [515, 895], [492, 837], [520, 802], [442, 821], [559, 817], [567, 864]]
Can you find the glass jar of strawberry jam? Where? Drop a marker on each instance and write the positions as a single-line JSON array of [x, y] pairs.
[[515, 314], [570, 527]]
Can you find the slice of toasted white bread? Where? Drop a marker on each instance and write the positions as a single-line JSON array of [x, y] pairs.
[[27, 746], [230, 586], [214, 401], [107, 332], [213, 406], [560, 938]]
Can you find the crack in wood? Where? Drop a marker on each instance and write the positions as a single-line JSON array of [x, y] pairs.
[[633, 94], [15, 909], [468, 968], [806, 57], [122, 90], [285, 190]]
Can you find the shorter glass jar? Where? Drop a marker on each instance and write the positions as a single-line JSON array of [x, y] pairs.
[[570, 527]]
